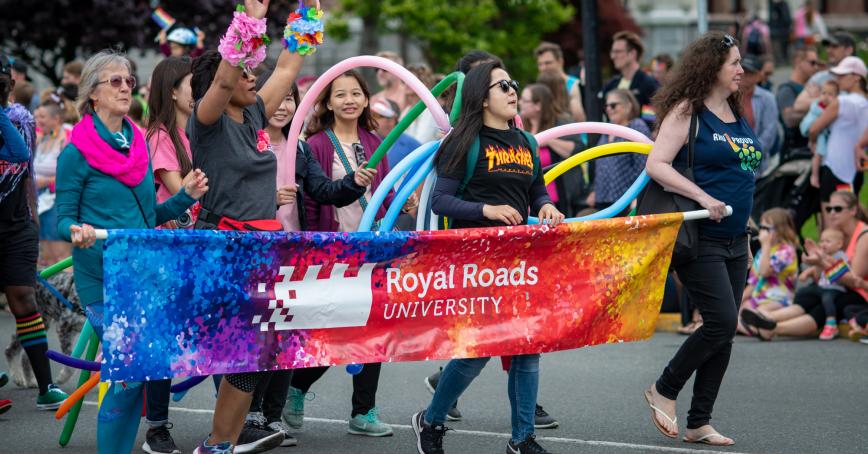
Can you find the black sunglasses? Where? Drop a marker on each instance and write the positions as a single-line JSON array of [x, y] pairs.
[[117, 81], [814, 63], [769, 228], [505, 85], [612, 105], [834, 209], [728, 41], [359, 151]]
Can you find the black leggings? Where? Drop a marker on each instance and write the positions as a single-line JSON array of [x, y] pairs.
[[270, 394], [714, 282], [364, 385], [810, 299]]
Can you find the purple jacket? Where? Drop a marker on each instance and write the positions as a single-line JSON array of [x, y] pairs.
[[321, 218]]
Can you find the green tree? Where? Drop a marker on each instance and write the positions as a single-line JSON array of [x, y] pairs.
[[510, 29]]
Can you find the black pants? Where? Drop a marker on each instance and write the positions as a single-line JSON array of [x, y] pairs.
[[812, 302], [270, 394], [364, 385], [714, 281]]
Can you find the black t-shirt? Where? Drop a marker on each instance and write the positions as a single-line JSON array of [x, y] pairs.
[[504, 174]]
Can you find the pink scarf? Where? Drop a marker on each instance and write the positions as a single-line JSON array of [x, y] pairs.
[[129, 169]]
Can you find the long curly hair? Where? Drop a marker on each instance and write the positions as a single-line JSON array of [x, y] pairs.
[[694, 78]]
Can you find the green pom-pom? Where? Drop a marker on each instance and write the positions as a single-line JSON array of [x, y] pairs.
[[239, 8]]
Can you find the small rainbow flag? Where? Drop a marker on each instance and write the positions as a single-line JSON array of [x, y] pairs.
[[162, 18], [836, 271], [648, 113]]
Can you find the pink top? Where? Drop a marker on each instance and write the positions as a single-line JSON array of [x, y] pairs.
[[286, 214], [545, 160], [163, 157]]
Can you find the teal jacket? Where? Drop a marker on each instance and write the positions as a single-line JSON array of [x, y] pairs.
[[86, 195]]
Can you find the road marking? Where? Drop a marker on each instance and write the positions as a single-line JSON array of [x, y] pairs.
[[481, 433]]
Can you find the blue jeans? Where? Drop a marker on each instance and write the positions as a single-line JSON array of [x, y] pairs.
[[521, 388], [121, 409]]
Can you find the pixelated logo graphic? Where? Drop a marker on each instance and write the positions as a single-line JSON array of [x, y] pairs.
[[337, 301]]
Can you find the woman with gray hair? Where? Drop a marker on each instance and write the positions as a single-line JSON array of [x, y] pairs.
[[105, 181], [614, 174]]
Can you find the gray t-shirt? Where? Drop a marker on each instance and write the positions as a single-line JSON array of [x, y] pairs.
[[242, 179]]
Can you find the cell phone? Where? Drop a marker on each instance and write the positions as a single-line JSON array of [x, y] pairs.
[[359, 151]]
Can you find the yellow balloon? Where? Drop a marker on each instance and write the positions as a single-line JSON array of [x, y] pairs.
[[103, 388], [593, 153]]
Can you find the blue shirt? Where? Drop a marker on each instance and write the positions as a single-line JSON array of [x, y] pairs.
[[726, 158], [404, 145]]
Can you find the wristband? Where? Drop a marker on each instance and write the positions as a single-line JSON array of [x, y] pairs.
[[245, 41], [304, 31]]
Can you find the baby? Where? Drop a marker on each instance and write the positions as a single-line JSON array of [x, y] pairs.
[[832, 245], [828, 93]]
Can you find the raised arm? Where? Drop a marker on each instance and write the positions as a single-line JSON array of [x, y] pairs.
[[217, 97]]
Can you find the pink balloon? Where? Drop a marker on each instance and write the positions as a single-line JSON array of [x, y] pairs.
[[591, 127], [333, 73]]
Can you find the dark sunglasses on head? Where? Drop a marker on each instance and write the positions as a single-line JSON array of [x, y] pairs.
[[728, 41], [116, 81], [612, 105], [359, 151], [505, 85], [769, 228], [835, 208]]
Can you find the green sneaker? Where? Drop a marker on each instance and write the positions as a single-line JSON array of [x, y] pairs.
[[369, 425], [52, 398], [3, 379], [293, 410]]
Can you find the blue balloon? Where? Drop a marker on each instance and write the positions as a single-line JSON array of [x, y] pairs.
[[354, 369], [631, 194], [403, 194]]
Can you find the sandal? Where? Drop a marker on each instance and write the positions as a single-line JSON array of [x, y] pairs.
[[655, 411], [751, 319], [707, 440]]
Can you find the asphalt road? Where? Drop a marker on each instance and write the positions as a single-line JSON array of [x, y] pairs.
[[786, 396]]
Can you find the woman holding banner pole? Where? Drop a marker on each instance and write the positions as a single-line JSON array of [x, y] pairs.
[[494, 195], [704, 90], [228, 139], [104, 180]]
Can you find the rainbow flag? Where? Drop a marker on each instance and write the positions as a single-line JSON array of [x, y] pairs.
[[193, 302], [162, 18], [836, 271]]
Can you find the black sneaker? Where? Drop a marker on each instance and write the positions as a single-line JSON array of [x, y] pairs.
[[543, 420], [431, 383], [429, 439], [255, 437], [158, 440], [528, 446]]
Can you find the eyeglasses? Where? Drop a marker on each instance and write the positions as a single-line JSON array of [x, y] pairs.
[[116, 81], [612, 105], [769, 228], [835, 208], [728, 41], [814, 63], [505, 85]]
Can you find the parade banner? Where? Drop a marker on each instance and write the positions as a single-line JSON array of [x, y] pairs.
[[186, 303]]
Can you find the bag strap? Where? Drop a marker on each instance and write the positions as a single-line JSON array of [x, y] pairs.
[[141, 210], [534, 152], [472, 159], [691, 139], [345, 161]]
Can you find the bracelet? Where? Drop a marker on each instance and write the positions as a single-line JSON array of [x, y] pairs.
[[304, 31], [245, 41]]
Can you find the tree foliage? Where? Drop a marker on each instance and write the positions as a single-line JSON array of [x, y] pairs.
[[510, 29]]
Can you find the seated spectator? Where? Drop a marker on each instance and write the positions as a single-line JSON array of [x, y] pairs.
[[614, 174], [772, 278], [828, 94], [806, 315], [820, 282]]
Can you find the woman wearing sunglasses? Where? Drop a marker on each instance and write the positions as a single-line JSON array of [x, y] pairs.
[[702, 93], [498, 193], [807, 315], [104, 180]]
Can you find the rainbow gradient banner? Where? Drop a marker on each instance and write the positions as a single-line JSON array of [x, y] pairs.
[[184, 302]]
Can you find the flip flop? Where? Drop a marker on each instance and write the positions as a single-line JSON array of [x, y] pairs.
[[706, 440], [655, 411]]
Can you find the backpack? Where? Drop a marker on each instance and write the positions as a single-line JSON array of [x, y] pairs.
[[473, 159], [755, 41]]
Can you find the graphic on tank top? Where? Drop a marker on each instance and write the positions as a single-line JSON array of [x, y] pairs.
[[513, 159], [748, 154]]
